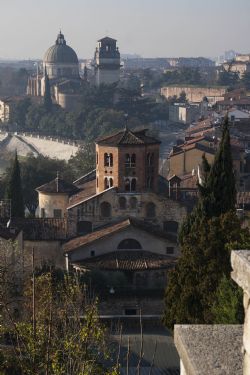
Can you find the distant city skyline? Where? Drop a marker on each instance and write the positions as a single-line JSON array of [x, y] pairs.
[[159, 28]]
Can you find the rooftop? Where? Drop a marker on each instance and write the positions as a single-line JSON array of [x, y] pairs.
[[41, 229], [58, 185], [110, 229], [127, 137], [136, 260]]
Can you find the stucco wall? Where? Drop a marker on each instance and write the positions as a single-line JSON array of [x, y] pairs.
[[50, 202], [108, 244]]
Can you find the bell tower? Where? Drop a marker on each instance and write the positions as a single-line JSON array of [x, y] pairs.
[[107, 62], [128, 161]]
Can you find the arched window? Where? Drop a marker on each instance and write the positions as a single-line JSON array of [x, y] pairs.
[[105, 209], [150, 159], [127, 160], [150, 210], [111, 160], [133, 203], [133, 161], [97, 158], [129, 244], [122, 203], [133, 184], [111, 182], [150, 182], [106, 183], [127, 184], [108, 160], [171, 226]]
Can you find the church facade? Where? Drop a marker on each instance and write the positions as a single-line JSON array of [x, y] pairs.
[[61, 64]]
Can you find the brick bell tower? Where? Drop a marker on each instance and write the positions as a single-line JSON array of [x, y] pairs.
[[127, 160]]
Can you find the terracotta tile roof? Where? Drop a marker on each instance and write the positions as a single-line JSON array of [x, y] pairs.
[[127, 137], [189, 181], [58, 185], [86, 178], [206, 124], [112, 228], [88, 196], [41, 229], [128, 260], [88, 190]]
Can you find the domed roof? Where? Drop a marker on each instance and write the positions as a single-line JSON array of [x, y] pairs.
[[60, 53]]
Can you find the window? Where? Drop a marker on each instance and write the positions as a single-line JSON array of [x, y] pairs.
[[43, 213], [57, 214], [122, 203], [170, 250], [133, 203], [92, 253], [127, 160], [106, 183], [130, 161], [171, 226], [133, 161], [130, 184], [108, 160], [150, 181], [105, 209], [129, 244], [127, 184], [97, 158], [133, 184], [97, 182], [150, 159], [150, 210]]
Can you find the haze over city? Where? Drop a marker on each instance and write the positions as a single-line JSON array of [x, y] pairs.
[[145, 27]]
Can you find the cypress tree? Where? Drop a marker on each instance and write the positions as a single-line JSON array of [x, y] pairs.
[[14, 190], [219, 195], [204, 239], [47, 101]]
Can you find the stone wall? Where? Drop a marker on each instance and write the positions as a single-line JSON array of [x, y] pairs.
[[241, 275], [195, 94]]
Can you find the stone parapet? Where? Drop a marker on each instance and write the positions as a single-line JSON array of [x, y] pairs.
[[209, 349], [240, 261]]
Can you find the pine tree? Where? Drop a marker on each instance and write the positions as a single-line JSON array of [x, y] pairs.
[[47, 93], [14, 190]]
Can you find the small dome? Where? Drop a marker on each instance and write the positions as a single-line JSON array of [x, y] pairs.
[[60, 53]]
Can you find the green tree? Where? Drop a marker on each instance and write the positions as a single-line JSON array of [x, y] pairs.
[[219, 194], [228, 306], [84, 161], [204, 239], [67, 337], [47, 93], [14, 190]]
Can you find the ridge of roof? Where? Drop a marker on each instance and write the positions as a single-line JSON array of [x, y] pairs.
[[111, 228]]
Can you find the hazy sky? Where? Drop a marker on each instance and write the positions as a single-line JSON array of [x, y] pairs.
[[147, 27]]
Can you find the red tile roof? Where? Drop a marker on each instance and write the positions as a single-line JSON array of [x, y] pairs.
[[110, 229], [132, 260], [127, 137]]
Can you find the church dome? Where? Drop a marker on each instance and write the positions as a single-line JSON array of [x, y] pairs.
[[60, 53]]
